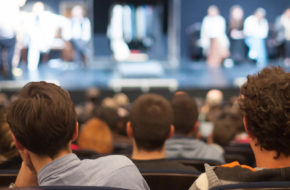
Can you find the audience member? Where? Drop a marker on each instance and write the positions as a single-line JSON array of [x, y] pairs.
[[96, 135], [183, 144], [150, 125], [213, 36], [226, 127], [9, 157], [265, 103], [211, 109], [91, 104], [44, 124], [256, 31], [236, 34]]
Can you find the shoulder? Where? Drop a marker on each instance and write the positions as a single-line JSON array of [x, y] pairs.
[[112, 161]]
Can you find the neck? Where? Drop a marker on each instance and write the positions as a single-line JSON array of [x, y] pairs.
[[265, 158], [40, 161], [140, 154]]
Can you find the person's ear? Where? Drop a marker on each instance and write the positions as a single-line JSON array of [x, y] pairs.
[[194, 130], [129, 129], [18, 145], [76, 132], [171, 131]]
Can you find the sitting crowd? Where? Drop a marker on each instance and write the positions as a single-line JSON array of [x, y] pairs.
[[50, 135]]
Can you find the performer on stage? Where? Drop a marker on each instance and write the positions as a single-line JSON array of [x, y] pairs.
[[9, 17], [256, 31], [79, 33], [213, 37]]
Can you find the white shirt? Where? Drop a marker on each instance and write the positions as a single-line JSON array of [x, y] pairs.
[[9, 16], [213, 27], [255, 28]]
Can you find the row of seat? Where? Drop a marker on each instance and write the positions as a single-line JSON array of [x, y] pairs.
[[155, 180]]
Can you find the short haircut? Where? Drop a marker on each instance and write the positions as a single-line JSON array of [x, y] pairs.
[[226, 128], [43, 118], [265, 102], [151, 116], [185, 113]]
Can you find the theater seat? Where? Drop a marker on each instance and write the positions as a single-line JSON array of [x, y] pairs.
[[86, 154], [240, 152], [256, 185], [7, 177], [66, 188], [198, 163], [169, 181]]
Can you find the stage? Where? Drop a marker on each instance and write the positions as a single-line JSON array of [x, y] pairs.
[[109, 75], [136, 78]]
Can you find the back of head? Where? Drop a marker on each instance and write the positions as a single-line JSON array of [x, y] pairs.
[[43, 118], [151, 117], [214, 97], [225, 128], [96, 135], [185, 113], [265, 102]]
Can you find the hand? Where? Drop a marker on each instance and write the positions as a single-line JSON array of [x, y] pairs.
[[27, 175], [26, 159]]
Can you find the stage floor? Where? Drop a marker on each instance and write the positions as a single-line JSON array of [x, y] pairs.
[[108, 74]]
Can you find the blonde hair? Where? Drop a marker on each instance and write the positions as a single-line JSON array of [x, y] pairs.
[[96, 135]]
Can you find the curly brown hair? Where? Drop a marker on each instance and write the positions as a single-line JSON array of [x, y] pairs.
[[265, 103]]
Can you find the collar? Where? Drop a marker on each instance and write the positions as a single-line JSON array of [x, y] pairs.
[[57, 166]]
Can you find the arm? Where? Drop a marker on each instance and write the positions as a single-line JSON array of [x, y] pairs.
[[27, 175]]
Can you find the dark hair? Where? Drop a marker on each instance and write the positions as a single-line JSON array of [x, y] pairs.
[[7, 146], [151, 116], [185, 113], [226, 127], [43, 118], [265, 102]]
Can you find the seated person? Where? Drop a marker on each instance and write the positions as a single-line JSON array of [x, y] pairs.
[[44, 125], [265, 103], [96, 135], [149, 126], [9, 157], [183, 144]]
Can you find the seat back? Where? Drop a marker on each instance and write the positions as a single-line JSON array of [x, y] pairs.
[[269, 185], [240, 152], [66, 188], [7, 177], [86, 154], [169, 181], [198, 163]]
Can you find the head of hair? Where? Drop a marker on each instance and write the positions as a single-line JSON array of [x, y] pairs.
[[265, 104], [225, 128], [151, 117], [43, 118], [214, 97], [96, 135], [7, 146], [260, 11], [213, 10], [185, 113]]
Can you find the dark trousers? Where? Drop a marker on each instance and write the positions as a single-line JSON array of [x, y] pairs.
[[287, 48], [80, 48], [9, 46]]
